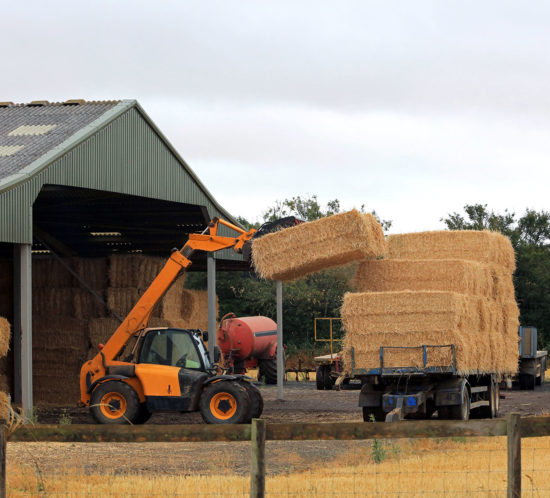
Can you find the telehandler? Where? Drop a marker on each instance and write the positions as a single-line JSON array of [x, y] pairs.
[[141, 370]]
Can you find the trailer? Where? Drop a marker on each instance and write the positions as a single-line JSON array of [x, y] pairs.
[[394, 393], [532, 363]]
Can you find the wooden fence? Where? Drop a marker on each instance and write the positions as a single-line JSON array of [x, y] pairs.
[[259, 432]]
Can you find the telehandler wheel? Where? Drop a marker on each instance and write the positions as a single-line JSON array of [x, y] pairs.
[[225, 402], [256, 400], [114, 402]]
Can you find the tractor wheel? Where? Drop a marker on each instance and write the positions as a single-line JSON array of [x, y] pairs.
[[115, 402], [256, 400], [320, 378], [143, 415], [225, 402], [268, 370]]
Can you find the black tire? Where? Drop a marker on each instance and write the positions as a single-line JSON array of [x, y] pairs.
[[320, 378], [143, 415], [225, 402], [268, 370], [256, 400], [115, 402], [327, 379], [462, 411], [370, 412], [488, 411]]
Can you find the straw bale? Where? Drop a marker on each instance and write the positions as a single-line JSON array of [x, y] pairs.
[[5, 383], [94, 271], [50, 272], [5, 334], [54, 301], [4, 406], [483, 246], [133, 271], [6, 276], [85, 305], [121, 300], [415, 318], [464, 277], [53, 332], [194, 313], [171, 305], [101, 329], [309, 247]]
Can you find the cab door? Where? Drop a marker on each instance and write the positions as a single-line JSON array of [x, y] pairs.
[[170, 370]]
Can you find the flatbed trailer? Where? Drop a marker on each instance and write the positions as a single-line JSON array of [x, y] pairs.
[[394, 393]]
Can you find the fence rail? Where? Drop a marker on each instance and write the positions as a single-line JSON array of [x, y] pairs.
[[513, 427]]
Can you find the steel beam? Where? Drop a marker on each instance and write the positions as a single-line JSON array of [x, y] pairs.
[[280, 350], [211, 278], [23, 326]]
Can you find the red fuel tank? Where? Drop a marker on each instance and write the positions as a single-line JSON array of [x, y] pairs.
[[247, 337]]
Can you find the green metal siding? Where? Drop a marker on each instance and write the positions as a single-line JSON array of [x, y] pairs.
[[127, 156]]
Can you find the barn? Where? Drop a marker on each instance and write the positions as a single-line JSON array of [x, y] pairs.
[[80, 183]]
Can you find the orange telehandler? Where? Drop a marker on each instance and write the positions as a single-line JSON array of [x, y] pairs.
[[141, 370]]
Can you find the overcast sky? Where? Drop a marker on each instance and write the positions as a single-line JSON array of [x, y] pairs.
[[413, 109]]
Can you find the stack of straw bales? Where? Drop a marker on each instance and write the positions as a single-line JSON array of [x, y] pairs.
[[6, 310], [5, 333], [448, 287], [309, 247]]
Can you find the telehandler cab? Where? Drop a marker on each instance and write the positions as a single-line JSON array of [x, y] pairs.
[[141, 370]]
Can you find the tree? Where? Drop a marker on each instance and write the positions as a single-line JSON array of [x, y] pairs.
[[530, 236]]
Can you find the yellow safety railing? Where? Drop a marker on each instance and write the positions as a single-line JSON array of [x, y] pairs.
[[331, 338]]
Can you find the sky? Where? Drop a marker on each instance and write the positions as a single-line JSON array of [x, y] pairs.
[[412, 109]]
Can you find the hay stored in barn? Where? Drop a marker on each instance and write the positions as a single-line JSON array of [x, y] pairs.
[[85, 305], [170, 306], [483, 246], [94, 271], [372, 320], [54, 300], [6, 277], [121, 300], [134, 271], [5, 334], [194, 311], [309, 247], [49, 272], [53, 332]]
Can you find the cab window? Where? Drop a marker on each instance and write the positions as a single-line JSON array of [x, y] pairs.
[[170, 347]]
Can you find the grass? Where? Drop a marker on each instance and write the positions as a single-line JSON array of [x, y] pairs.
[[415, 467]]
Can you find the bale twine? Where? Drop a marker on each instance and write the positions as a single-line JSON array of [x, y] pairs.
[[482, 246], [309, 247], [416, 318], [5, 334]]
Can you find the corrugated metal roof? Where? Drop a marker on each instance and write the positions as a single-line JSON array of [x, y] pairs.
[[59, 121]]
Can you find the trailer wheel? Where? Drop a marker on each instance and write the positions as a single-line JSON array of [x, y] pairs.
[[256, 400], [370, 412], [268, 369], [225, 402], [462, 411], [114, 402], [489, 411]]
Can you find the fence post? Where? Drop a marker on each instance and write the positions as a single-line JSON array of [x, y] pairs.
[[514, 455], [3, 441], [257, 471]]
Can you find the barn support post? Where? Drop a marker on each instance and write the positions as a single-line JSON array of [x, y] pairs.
[[280, 350], [22, 343], [211, 285], [257, 470], [514, 455]]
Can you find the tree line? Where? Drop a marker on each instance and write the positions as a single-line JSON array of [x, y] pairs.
[[320, 294]]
